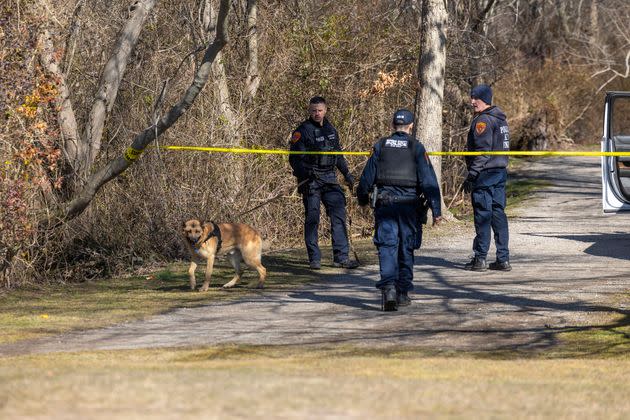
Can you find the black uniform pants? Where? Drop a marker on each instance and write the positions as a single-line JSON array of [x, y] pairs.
[[335, 204]]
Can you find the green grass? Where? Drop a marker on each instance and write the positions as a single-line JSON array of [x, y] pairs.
[[520, 190], [34, 312], [610, 340], [38, 311]]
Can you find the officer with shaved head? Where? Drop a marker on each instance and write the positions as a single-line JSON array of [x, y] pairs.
[[316, 173]]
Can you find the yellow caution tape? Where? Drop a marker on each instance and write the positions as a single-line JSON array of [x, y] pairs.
[[289, 152], [132, 154], [257, 151], [532, 153]]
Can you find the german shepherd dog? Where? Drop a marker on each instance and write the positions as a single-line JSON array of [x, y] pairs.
[[239, 242]]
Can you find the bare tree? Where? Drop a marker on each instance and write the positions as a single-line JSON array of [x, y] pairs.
[[480, 12], [116, 166], [594, 23], [220, 76], [610, 52], [81, 150], [431, 70], [74, 149], [252, 79]]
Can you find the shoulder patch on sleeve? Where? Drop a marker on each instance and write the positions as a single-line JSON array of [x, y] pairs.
[[296, 137], [480, 127]]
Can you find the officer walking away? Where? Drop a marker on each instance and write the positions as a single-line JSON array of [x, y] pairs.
[[318, 179], [396, 174], [486, 180]]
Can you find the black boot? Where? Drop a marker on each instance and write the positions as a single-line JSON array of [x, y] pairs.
[[476, 264], [500, 266], [402, 298], [346, 264], [388, 300]]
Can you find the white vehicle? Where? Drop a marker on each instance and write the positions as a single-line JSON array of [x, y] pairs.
[[616, 169]]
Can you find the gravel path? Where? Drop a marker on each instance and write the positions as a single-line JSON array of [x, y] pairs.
[[571, 266]]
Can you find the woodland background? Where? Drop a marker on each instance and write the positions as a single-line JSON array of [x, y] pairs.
[[549, 62]]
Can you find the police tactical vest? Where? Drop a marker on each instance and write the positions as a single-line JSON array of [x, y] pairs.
[[396, 164], [320, 140]]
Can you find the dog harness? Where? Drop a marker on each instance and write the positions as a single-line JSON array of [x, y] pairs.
[[216, 232]]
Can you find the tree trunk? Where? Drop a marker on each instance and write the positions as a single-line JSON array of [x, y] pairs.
[[110, 81], [73, 149], [561, 10], [221, 85], [231, 122], [253, 79], [594, 23], [225, 103], [431, 70], [479, 16], [141, 141]]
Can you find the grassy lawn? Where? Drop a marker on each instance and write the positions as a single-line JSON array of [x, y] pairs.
[[34, 312], [298, 382]]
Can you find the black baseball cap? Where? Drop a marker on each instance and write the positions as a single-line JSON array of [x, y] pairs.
[[402, 117]]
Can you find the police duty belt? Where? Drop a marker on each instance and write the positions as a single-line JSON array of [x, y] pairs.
[[385, 199]]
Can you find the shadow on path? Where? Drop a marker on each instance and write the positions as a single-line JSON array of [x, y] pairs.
[[613, 245]]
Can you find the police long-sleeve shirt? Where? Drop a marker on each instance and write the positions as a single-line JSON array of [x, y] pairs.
[[311, 136], [488, 132], [427, 181]]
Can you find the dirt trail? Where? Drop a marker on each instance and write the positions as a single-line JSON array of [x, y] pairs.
[[571, 264]]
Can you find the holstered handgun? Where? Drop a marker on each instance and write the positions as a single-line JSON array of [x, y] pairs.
[[423, 209], [374, 196]]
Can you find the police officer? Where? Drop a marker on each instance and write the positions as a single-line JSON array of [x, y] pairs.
[[400, 170], [318, 179], [486, 179]]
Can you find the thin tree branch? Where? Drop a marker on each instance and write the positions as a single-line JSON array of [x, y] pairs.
[[111, 78], [615, 73], [141, 141], [66, 117], [71, 38]]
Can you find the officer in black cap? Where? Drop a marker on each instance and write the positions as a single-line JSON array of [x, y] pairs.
[[317, 174], [487, 175], [396, 174]]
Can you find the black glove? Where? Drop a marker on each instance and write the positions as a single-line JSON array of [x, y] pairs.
[[467, 186], [469, 183], [349, 182], [303, 183]]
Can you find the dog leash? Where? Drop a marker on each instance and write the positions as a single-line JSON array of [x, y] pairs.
[[348, 229], [271, 199]]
